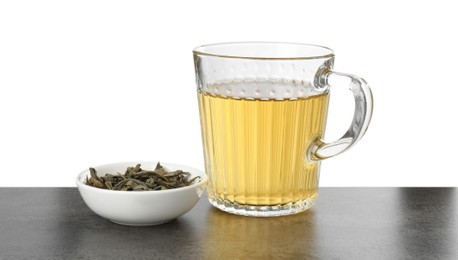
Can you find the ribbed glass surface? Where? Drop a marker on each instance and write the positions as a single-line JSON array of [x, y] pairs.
[[255, 151]]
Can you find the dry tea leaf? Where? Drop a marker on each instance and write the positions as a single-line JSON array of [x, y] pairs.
[[94, 180], [137, 179]]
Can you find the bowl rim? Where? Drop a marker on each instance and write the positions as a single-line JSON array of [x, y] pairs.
[[82, 185]]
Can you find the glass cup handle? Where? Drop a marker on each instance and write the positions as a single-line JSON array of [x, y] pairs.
[[361, 118]]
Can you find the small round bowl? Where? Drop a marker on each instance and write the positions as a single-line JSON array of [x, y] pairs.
[[141, 208]]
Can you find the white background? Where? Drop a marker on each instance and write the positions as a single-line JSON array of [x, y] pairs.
[[84, 83]]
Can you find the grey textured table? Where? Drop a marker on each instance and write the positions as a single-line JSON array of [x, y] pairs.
[[346, 223]]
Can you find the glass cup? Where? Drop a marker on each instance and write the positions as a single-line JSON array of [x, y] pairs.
[[263, 109]]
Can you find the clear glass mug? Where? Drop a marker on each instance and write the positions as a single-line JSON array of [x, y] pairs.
[[263, 109]]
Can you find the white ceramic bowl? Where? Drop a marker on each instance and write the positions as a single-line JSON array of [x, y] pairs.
[[141, 208]]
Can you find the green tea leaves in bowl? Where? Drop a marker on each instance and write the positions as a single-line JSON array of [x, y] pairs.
[[137, 179]]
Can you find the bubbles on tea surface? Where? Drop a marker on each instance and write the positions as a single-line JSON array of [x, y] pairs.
[[263, 89]]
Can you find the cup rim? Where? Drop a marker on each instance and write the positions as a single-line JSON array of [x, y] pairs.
[[329, 53]]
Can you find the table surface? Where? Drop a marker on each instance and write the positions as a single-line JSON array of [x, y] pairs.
[[345, 223]]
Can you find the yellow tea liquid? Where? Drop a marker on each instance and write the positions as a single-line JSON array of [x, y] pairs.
[[255, 150]]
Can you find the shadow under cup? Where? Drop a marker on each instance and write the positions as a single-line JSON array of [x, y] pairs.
[[263, 109]]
